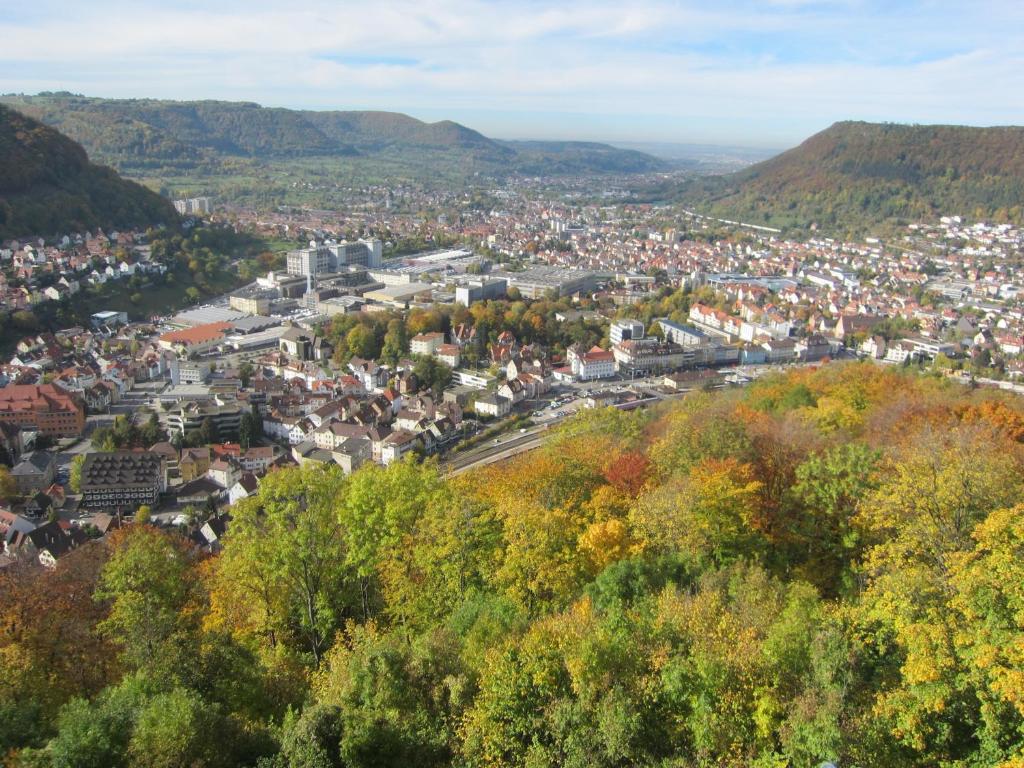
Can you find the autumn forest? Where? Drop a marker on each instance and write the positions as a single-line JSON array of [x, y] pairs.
[[823, 566]]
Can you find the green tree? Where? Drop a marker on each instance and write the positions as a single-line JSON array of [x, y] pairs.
[[245, 432], [920, 522], [312, 740], [96, 734], [283, 556], [8, 488], [207, 433], [151, 431], [362, 342], [396, 343], [829, 487], [146, 582], [176, 729], [399, 702], [432, 374], [24, 321], [245, 372], [75, 473]]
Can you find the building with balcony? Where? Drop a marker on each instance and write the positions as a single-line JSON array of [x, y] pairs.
[[225, 418]]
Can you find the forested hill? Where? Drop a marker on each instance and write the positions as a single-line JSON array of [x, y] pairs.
[[856, 174], [48, 185], [141, 136], [823, 566]]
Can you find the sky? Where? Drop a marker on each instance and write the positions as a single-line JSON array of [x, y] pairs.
[[732, 72]]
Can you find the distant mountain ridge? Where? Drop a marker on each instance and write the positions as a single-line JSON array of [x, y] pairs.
[[140, 135], [49, 186], [857, 174]]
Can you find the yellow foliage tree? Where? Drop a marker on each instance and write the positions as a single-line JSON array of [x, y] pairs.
[[710, 513], [606, 542]]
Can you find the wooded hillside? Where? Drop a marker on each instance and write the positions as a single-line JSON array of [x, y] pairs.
[[145, 137], [48, 186], [857, 174]]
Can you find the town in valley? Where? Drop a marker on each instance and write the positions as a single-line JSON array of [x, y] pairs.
[[460, 335]]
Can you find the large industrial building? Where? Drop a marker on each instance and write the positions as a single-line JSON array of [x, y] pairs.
[[538, 282], [330, 257]]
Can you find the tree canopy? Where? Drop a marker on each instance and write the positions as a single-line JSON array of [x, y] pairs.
[[824, 566]]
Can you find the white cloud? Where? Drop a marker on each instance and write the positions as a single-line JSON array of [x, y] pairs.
[[778, 69]]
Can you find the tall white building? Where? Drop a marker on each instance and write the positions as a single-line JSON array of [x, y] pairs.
[[426, 343], [624, 330], [192, 205], [480, 290], [329, 257]]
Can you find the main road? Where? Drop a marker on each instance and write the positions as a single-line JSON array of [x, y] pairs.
[[515, 443], [500, 449]]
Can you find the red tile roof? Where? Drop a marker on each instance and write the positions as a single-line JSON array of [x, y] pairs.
[[200, 334]]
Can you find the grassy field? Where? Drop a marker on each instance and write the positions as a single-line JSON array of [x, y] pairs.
[[156, 299]]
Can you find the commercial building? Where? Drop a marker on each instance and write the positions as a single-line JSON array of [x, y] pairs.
[[393, 276], [652, 356], [340, 305], [929, 348], [474, 379], [252, 301], [109, 318], [481, 290], [185, 372], [50, 409], [399, 295], [309, 262], [687, 335], [122, 480], [205, 315], [596, 363], [622, 330], [364, 253]]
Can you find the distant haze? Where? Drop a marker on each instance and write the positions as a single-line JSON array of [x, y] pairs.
[[711, 156]]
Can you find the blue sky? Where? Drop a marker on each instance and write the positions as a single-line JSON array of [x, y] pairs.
[[765, 73]]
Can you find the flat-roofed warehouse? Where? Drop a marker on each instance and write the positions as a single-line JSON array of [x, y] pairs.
[[399, 295], [537, 282], [205, 316]]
